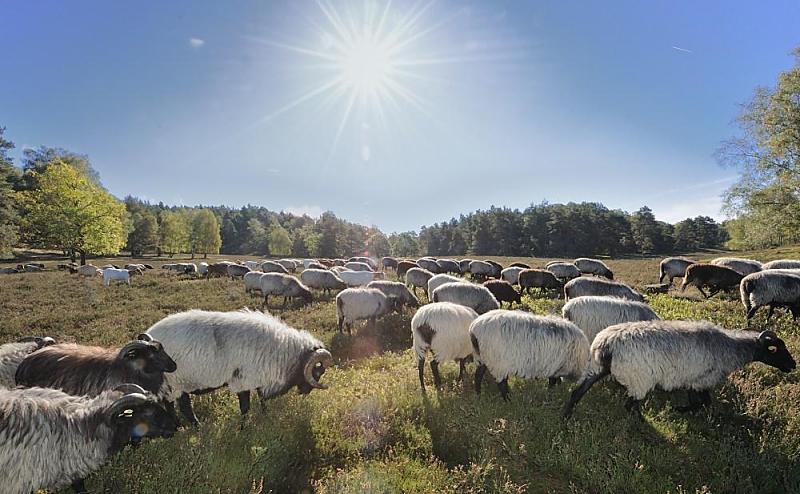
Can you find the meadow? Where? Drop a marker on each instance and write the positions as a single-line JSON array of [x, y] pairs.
[[374, 431]]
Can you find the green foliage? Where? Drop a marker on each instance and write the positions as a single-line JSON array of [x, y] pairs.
[[174, 231], [144, 234], [8, 207], [404, 244], [378, 244], [36, 161], [257, 241], [69, 211], [204, 237], [279, 242]]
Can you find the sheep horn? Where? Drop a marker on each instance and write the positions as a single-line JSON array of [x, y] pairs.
[[123, 404], [130, 388], [144, 337], [133, 345], [323, 356]]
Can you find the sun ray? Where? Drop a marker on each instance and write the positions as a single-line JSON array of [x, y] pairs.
[[302, 99]]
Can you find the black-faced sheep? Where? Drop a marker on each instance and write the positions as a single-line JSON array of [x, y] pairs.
[[503, 292], [691, 355], [442, 328]]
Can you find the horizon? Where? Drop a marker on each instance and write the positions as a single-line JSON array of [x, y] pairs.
[[318, 107]]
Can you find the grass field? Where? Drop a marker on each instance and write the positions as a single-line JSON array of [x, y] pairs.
[[374, 431]]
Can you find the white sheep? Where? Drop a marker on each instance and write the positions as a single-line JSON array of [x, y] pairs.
[[89, 270], [289, 264], [593, 266], [358, 278], [511, 274], [593, 314], [442, 328], [477, 297], [418, 278], [396, 290], [673, 267], [355, 304], [284, 285], [510, 342], [440, 279], [773, 288], [481, 269], [252, 281], [116, 274], [11, 354], [564, 270], [581, 287], [358, 266], [670, 355], [322, 279]]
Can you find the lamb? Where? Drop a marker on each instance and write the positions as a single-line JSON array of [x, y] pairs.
[[403, 267], [782, 264], [11, 354], [397, 291], [511, 274], [593, 266], [773, 288], [581, 287], [321, 279], [116, 274], [742, 266], [237, 271], [693, 355], [244, 350], [519, 265], [564, 271], [448, 266], [49, 439], [89, 270], [440, 279], [284, 285], [358, 266], [358, 278], [593, 314], [541, 279], [354, 304], [430, 264], [273, 267], [418, 278], [477, 297], [515, 342], [503, 292], [90, 370], [481, 270], [718, 278], [442, 328], [673, 267], [389, 263]]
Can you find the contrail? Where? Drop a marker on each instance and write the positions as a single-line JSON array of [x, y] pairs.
[[684, 50]]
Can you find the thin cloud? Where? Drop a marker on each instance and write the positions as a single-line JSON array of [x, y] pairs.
[[196, 42], [684, 50]]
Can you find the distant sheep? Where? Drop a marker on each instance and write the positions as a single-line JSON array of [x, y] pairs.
[[593, 266], [481, 270], [355, 304], [519, 265], [418, 278], [430, 264], [511, 274], [359, 278], [463, 265], [273, 267], [389, 263], [218, 269], [510, 342], [671, 355], [541, 279], [773, 288], [503, 292], [397, 291], [252, 281], [443, 329], [593, 314], [564, 271], [237, 271], [116, 274], [358, 266], [717, 278], [403, 267], [782, 264], [581, 287], [448, 266], [253, 265], [289, 264], [673, 267], [202, 268], [315, 265], [741, 266], [477, 297], [11, 354], [322, 279], [283, 285], [366, 260], [498, 268], [89, 270]]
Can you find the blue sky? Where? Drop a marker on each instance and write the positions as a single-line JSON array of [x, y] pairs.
[[473, 103]]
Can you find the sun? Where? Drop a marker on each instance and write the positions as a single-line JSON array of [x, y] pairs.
[[366, 66]]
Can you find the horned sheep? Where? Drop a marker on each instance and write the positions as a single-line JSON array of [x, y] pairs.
[[692, 355], [477, 297], [593, 314], [581, 287], [443, 329]]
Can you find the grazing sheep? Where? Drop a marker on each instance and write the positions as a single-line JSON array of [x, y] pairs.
[[289, 264], [418, 278], [49, 439], [541, 279], [403, 267], [202, 269], [273, 267], [581, 287], [358, 278], [773, 288], [477, 297], [116, 274], [89, 270], [358, 266], [511, 274], [691, 355], [354, 304], [741, 266], [336, 269], [564, 271], [440, 279], [134, 266], [90, 370], [442, 328], [366, 260], [315, 265], [593, 314], [110, 266], [498, 268], [339, 262], [782, 264], [9, 271], [321, 279], [397, 291], [237, 271], [11, 354], [519, 265], [389, 263], [252, 281], [218, 269], [30, 268], [503, 292], [480, 270], [673, 267], [515, 342], [253, 265], [430, 264], [448, 266], [244, 350], [593, 266], [284, 285], [463, 265], [718, 278]]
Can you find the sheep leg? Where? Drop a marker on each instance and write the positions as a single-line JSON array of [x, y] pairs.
[[503, 387], [437, 378], [771, 311], [697, 400], [634, 406], [552, 381], [479, 372], [581, 390], [713, 292], [244, 401], [79, 487], [703, 292], [285, 301], [421, 369], [752, 312], [185, 405], [266, 301], [462, 369]]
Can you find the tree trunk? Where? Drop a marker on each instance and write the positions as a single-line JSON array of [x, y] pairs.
[[205, 255], [83, 258]]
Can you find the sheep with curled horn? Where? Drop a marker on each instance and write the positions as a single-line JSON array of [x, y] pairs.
[[243, 350], [11, 354], [90, 370], [50, 439]]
